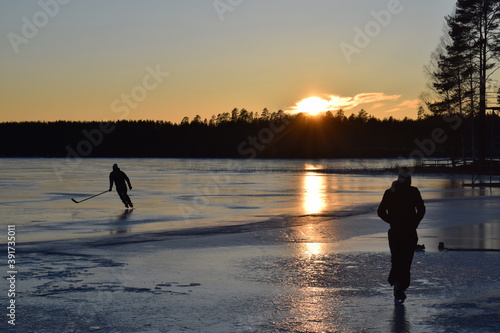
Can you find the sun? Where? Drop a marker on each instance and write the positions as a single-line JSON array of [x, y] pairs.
[[312, 106]]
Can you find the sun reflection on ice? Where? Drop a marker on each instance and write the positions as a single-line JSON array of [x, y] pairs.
[[313, 249], [312, 304], [314, 198]]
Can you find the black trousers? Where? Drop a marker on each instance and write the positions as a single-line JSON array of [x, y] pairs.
[[402, 244], [122, 192]]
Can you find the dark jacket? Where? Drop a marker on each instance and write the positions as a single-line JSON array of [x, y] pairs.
[[119, 178], [402, 207]]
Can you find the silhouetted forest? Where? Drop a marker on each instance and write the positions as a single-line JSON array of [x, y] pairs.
[[243, 134]]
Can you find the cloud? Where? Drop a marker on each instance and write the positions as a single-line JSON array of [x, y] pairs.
[[404, 105], [410, 103], [377, 105], [365, 98]]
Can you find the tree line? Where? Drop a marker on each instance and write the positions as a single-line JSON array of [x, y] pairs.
[[243, 134]]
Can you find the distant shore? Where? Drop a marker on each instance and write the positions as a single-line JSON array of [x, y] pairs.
[[243, 134]]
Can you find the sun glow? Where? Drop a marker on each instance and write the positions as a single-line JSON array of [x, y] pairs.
[[312, 106], [315, 105]]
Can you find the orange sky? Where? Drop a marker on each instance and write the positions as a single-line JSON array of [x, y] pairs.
[[163, 60]]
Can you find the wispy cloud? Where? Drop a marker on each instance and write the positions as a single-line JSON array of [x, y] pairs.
[[377, 105], [404, 105], [366, 98], [410, 103]]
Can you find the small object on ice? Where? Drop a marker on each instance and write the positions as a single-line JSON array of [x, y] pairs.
[[441, 246], [419, 247]]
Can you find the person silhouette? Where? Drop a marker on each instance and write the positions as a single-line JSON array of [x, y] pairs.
[[403, 208], [119, 178]]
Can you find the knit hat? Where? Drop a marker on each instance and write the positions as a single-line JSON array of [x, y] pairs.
[[404, 177]]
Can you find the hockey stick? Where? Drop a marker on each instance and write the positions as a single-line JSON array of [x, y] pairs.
[[88, 197]]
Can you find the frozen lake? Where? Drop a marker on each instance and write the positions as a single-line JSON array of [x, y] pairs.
[[193, 194], [241, 246]]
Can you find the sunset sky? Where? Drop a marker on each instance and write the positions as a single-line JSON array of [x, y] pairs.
[[163, 60]]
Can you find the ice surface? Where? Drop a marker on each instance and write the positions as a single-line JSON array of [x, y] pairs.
[[185, 194], [266, 247]]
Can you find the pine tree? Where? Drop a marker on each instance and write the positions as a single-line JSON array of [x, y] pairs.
[[479, 23], [463, 64]]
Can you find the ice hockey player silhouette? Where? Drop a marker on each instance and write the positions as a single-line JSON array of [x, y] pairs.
[[120, 179]]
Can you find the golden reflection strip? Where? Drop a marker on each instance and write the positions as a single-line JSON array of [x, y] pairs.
[[314, 193]]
